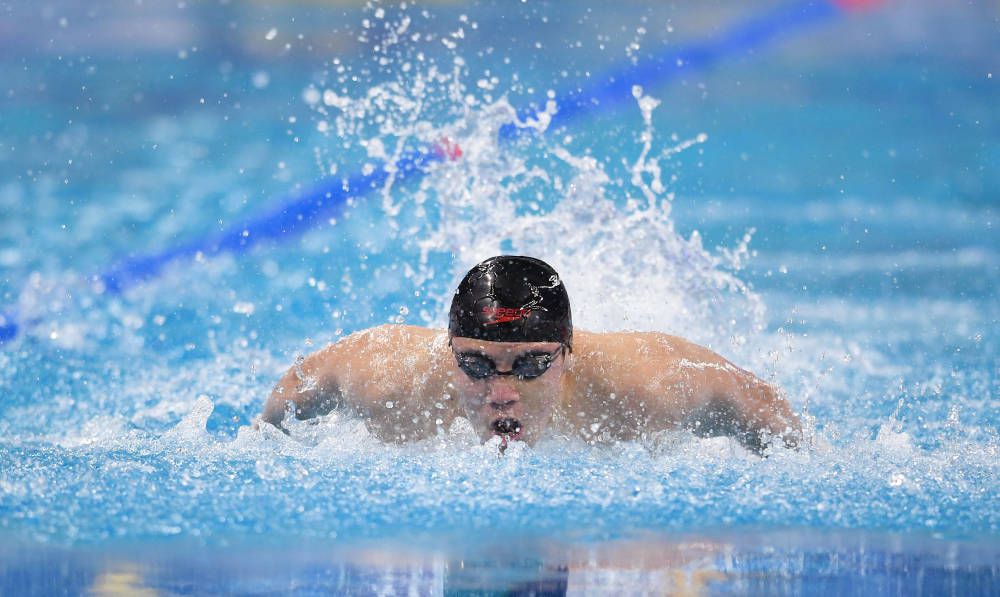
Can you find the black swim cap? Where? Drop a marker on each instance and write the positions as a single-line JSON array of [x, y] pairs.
[[510, 298]]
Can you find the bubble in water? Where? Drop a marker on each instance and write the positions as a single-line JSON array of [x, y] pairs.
[[261, 79]]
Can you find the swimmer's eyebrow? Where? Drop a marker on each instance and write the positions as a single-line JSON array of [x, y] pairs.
[[473, 353], [535, 353]]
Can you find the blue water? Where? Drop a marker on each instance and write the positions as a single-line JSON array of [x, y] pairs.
[[835, 231]]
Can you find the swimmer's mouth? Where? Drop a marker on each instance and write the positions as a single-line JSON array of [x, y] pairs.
[[507, 427]]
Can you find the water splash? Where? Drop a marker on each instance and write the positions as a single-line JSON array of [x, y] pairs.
[[605, 226]]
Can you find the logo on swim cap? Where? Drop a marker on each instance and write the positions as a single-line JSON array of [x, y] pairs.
[[511, 298], [504, 314]]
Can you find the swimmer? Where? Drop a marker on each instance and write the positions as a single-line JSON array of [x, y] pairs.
[[511, 363]]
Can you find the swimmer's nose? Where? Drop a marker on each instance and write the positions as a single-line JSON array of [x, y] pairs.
[[502, 404], [503, 396]]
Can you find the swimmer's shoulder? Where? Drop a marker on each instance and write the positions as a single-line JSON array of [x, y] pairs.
[[624, 361], [636, 359], [630, 347], [389, 357], [390, 339], [389, 345], [394, 373]]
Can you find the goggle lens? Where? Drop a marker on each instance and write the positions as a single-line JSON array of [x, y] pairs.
[[526, 366]]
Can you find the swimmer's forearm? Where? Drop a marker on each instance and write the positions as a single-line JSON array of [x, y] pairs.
[[304, 404], [738, 404], [765, 414], [277, 404], [309, 387]]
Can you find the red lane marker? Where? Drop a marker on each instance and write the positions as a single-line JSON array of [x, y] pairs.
[[446, 148]]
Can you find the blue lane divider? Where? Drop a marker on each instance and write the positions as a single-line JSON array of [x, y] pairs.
[[297, 213], [616, 87], [293, 216]]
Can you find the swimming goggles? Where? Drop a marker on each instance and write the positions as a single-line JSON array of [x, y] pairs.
[[526, 366]]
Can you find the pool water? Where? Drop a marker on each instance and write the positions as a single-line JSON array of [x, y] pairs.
[[751, 562], [821, 211]]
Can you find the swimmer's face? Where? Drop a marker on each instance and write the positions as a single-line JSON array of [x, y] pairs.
[[495, 398]]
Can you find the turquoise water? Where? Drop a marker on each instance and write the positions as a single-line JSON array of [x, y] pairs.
[[822, 211]]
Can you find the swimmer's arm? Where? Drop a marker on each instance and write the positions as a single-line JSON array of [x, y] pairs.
[[310, 387], [381, 373], [738, 404], [706, 393]]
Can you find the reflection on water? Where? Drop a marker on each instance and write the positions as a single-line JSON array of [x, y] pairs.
[[122, 579], [782, 562]]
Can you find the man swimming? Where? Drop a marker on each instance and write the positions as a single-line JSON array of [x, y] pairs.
[[511, 363]]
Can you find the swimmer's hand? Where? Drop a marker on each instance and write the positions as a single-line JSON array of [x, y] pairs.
[[756, 415], [309, 389]]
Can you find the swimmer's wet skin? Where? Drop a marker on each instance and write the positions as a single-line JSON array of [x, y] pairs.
[[512, 365]]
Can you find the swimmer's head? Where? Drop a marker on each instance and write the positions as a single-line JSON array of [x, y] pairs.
[[510, 329], [511, 298]]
